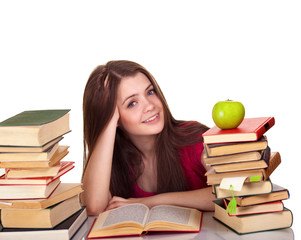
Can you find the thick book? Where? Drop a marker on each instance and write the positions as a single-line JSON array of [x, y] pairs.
[[63, 231], [253, 222], [61, 193], [278, 194], [138, 219], [251, 129], [38, 172], [34, 128], [245, 165], [249, 188], [255, 209], [28, 191], [214, 178], [223, 149], [23, 149], [55, 159], [40, 218], [29, 156]]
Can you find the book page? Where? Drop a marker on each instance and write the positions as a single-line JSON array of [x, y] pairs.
[[171, 214], [129, 213]]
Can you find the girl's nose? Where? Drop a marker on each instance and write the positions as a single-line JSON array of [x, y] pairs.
[[148, 105]]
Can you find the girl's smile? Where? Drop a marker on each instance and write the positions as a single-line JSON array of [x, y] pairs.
[[152, 119]]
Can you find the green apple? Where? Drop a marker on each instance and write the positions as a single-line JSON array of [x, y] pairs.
[[228, 114]]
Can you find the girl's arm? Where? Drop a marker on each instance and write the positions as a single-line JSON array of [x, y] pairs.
[[200, 199], [96, 179]]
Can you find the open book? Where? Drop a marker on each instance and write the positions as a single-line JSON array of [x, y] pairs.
[[137, 219]]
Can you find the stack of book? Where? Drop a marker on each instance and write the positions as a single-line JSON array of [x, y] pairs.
[[241, 163], [32, 196]]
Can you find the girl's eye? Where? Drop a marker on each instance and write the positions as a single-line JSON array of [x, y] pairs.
[[151, 92], [132, 104]]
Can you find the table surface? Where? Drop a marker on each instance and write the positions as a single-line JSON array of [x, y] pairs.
[[211, 230]]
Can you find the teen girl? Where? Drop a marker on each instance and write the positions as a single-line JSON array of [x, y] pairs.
[[135, 151]]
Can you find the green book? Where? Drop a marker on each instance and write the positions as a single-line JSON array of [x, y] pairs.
[[34, 128]]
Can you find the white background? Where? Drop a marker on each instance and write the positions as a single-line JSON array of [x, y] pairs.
[[200, 52]]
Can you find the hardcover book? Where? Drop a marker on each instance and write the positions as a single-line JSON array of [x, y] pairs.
[[214, 178], [55, 159], [23, 149], [61, 193], [278, 193], [33, 181], [224, 149], [253, 222], [34, 128], [38, 172], [29, 156], [258, 208], [233, 158], [249, 188], [251, 129], [28, 191], [245, 165], [40, 218], [63, 231]]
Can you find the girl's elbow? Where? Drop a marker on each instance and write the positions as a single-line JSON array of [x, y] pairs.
[[93, 208]]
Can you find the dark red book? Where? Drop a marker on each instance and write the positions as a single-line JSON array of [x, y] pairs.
[[251, 129]]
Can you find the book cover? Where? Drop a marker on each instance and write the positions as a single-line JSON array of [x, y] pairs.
[[251, 129], [34, 118], [34, 128]]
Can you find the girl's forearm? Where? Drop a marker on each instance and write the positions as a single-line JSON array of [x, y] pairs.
[[200, 199], [96, 179]]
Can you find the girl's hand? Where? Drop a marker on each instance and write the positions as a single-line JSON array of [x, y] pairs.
[[115, 118], [116, 202]]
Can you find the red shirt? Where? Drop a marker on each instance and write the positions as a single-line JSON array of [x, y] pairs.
[[193, 169]]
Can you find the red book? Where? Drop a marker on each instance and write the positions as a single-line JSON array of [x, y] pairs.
[[267, 207], [251, 129]]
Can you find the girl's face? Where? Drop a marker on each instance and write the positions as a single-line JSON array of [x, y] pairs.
[[140, 109]]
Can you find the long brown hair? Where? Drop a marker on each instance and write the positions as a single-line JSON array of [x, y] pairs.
[[98, 105]]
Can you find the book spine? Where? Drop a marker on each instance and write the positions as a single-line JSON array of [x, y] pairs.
[[265, 127], [275, 160]]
